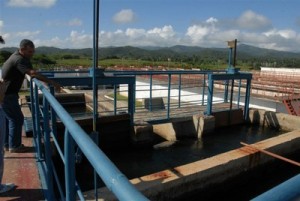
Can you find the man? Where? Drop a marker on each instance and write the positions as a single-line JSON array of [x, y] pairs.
[[3, 187], [13, 74]]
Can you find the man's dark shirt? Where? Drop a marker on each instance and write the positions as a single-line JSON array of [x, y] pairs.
[[13, 72]]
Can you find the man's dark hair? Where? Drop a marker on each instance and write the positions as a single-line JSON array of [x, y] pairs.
[[26, 43]]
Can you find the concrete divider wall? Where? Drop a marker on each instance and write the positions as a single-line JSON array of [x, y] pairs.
[[273, 119], [204, 174]]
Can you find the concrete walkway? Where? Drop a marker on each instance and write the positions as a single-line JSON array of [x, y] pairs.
[[21, 169]]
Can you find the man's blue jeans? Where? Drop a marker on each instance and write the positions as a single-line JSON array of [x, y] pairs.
[[2, 139], [14, 115]]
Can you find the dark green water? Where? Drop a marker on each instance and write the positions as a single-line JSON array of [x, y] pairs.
[[138, 162]]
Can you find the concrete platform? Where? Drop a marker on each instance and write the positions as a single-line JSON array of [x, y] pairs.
[[21, 169]]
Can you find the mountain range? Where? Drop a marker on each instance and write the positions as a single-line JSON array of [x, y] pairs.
[[243, 52]]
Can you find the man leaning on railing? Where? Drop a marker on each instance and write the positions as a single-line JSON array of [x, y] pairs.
[[13, 74], [9, 186]]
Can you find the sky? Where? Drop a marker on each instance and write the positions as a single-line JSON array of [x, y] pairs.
[[272, 24]]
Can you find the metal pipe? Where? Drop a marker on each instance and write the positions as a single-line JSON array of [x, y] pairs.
[[179, 91], [288, 190], [203, 89], [48, 149], [69, 166], [95, 86], [169, 95]]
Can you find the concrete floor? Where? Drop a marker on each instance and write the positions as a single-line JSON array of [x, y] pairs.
[[21, 169]]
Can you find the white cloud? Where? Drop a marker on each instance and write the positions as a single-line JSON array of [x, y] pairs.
[[32, 3], [253, 21], [75, 22], [1, 25], [124, 16], [59, 23], [27, 34]]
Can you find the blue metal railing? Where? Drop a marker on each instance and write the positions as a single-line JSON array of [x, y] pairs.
[[74, 135], [177, 88], [46, 114]]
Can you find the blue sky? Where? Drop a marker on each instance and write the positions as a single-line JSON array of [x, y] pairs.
[[273, 24]]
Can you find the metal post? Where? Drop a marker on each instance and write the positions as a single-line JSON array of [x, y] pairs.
[[203, 89], [69, 155], [131, 102], [48, 151], [95, 86], [247, 100], [239, 94], [150, 98], [179, 91], [53, 115], [32, 105], [169, 95], [210, 95], [234, 53], [115, 100], [226, 83], [37, 122]]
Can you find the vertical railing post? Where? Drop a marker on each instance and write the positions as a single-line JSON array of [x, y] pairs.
[[150, 91], [226, 83], [247, 100], [48, 151], [95, 85], [203, 89], [37, 122], [179, 91], [32, 106], [239, 94], [131, 101], [169, 95], [53, 115], [69, 155], [115, 100], [210, 94]]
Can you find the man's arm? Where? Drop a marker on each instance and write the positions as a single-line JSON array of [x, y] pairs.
[[34, 74]]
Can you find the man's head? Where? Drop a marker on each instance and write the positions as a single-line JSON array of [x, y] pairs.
[[27, 48]]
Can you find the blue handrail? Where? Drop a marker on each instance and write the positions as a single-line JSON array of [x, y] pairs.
[[109, 173]]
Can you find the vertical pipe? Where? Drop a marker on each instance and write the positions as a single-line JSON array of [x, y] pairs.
[[131, 101], [210, 95], [115, 99], [95, 63], [179, 91], [239, 94], [37, 122], [203, 89], [53, 116], [169, 95], [150, 91], [231, 94], [95, 86], [32, 105], [69, 155], [234, 53], [247, 100], [48, 151]]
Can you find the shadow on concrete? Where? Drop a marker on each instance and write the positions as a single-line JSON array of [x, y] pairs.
[[271, 120], [23, 195]]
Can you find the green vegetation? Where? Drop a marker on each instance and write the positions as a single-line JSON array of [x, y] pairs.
[[185, 57]]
